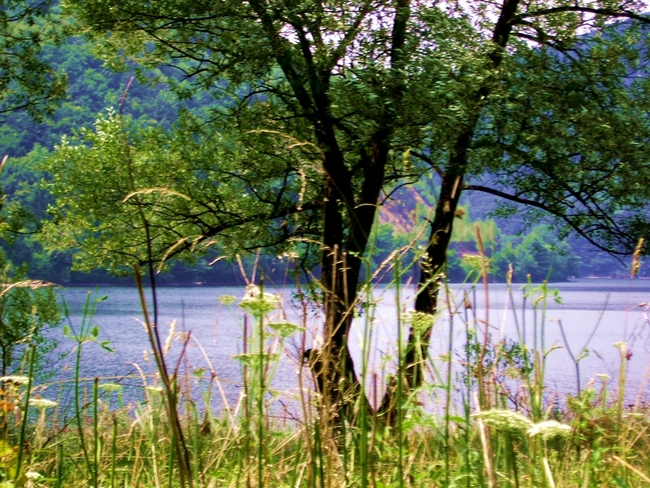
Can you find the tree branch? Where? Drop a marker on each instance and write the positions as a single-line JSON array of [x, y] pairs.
[[607, 12], [563, 217], [430, 162]]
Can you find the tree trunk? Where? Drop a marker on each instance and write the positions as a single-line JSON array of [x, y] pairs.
[[335, 371], [417, 347], [342, 393], [345, 239], [431, 267]]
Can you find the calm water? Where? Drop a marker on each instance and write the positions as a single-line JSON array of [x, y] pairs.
[[217, 332]]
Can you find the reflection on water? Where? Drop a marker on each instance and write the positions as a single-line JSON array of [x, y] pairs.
[[611, 308], [594, 315]]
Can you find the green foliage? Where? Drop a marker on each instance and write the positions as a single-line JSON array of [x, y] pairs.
[[27, 82], [536, 253], [133, 194], [27, 309], [525, 144], [539, 254], [24, 182], [563, 134], [91, 88]]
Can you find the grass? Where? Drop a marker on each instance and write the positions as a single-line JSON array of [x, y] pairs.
[[489, 421]]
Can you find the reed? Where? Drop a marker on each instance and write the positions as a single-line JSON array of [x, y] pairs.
[[477, 422]]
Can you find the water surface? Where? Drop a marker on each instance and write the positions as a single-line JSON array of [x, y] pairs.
[[595, 314]]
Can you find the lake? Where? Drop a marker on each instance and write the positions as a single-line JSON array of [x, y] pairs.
[[616, 307]]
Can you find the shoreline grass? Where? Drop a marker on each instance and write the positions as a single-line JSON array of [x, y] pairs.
[[486, 420], [586, 446]]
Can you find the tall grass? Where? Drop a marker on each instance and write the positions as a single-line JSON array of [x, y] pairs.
[[479, 420]]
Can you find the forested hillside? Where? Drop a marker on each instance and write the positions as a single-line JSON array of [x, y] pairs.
[[93, 88]]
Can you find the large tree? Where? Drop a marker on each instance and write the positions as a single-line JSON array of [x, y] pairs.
[[542, 103], [29, 84], [555, 124], [330, 77]]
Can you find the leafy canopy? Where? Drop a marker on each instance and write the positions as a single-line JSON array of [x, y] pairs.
[[26, 81], [553, 117], [129, 194]]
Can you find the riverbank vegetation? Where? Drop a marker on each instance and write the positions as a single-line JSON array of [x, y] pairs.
[[341, 136], [484, 418]]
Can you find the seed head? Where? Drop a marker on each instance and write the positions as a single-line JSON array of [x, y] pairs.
[[41, 403]]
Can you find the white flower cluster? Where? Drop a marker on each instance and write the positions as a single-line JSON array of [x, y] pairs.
[[258, 304], [255, 359], [41, 403], [285, 329], [549, 429], [507, 420], [420, 321]]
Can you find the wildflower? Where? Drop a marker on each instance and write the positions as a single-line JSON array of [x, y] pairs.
[[257, 303], [505, 420], [17, 380], [33, 475], [420, 321], [603, 377], [625, 352], [474, 262], [41, 403], [549, 429], [252, 359], [285, 329], [227, 299]]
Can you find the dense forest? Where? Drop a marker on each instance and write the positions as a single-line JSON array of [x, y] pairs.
[[93, 88]]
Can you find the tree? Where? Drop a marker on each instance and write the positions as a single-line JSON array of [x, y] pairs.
[[538, 254], [171, 192], [27, 307], [296, 85], [26, 81], [91, 87], [555, 122], [529, 101]]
